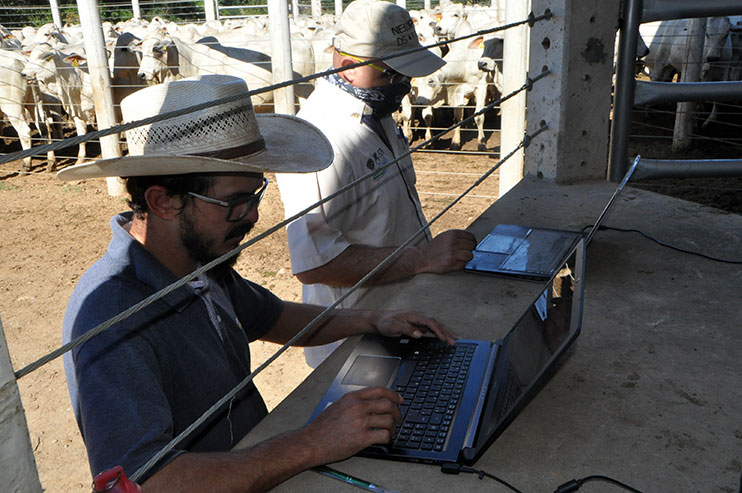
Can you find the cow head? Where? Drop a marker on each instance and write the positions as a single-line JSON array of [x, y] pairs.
[[154, 66], [42, 64]]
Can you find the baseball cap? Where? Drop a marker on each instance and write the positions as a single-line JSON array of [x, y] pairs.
[[375, 29]]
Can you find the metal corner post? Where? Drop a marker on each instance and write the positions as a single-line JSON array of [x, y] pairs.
[[623, 92]]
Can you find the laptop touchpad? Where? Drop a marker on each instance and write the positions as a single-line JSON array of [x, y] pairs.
[[370, 371]]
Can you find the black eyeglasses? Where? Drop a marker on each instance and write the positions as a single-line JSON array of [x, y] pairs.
[[238, 207]]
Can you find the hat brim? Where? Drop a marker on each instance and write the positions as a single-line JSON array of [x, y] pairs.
[[292, 145], [417, 64]]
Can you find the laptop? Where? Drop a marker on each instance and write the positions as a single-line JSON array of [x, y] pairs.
[[532, 253], [458, 400]]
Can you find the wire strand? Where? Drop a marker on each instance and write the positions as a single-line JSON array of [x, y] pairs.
[[172, 114]]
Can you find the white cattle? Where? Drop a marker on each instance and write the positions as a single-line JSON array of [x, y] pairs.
[[137, 27], [47, 114], [728, 69], [63, 76], [491, 59], [449, 21], [457, 84], [124, 64], [260, 50], [22, 101], [666, 41], [169, 58], [48, 33], [8, 40], [322, 48], [13, 97]]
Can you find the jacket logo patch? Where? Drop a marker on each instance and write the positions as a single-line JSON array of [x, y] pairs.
[[376, 160]]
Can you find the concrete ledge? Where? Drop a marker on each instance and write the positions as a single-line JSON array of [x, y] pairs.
[[650, 393]]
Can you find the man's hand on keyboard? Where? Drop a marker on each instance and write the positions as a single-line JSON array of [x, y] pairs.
[[357, 420], [412, 324]]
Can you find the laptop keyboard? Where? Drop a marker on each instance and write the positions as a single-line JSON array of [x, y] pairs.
[[431, 384]]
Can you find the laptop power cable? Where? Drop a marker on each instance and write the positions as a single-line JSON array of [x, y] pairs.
[[576, 484], [666, 245], [568, 487], [455, 468]]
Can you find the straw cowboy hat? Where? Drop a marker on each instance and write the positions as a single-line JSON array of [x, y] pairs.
[[227, 137]]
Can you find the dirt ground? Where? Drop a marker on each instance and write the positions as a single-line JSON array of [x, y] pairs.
[[53, 231]]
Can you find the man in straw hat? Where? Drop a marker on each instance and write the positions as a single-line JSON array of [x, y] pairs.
[[338, 243], [195, 183]]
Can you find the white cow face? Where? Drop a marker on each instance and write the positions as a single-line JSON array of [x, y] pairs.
[[154, 66], [41, 64], [429, 89]]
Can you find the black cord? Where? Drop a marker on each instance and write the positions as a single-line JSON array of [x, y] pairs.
[[672, 247], [575, 484], [455, 468], [568, 487]]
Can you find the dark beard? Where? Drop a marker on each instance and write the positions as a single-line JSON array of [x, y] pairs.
[[202, 251]]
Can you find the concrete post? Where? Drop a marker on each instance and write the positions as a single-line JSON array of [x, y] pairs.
[[402, 3], [17, 464], [100, 80], [514, 71], [577, 46], [210, 10], [55, 13], [338, 7], [316, 9], [278, 17], [136, 11], [690, 72]]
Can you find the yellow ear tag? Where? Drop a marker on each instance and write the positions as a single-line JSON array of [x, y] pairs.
[[75, 63], [413, 82], [164, 48], [481, 45]]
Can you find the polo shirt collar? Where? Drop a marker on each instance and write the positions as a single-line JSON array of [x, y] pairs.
[[126, 249]]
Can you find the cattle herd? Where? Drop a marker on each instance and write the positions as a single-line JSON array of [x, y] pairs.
[[44, 80]]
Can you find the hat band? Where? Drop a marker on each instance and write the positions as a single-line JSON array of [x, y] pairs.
[[235, 152]]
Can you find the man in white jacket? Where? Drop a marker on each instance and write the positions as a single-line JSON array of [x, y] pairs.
[[339, 242]]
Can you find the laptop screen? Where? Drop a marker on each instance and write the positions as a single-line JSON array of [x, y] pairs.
[[544, 331]]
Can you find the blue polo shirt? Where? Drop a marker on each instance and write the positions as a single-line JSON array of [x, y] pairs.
[[140, 383]]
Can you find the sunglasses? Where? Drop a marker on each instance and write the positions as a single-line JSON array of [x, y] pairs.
[[238, 207], [393, 76]]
